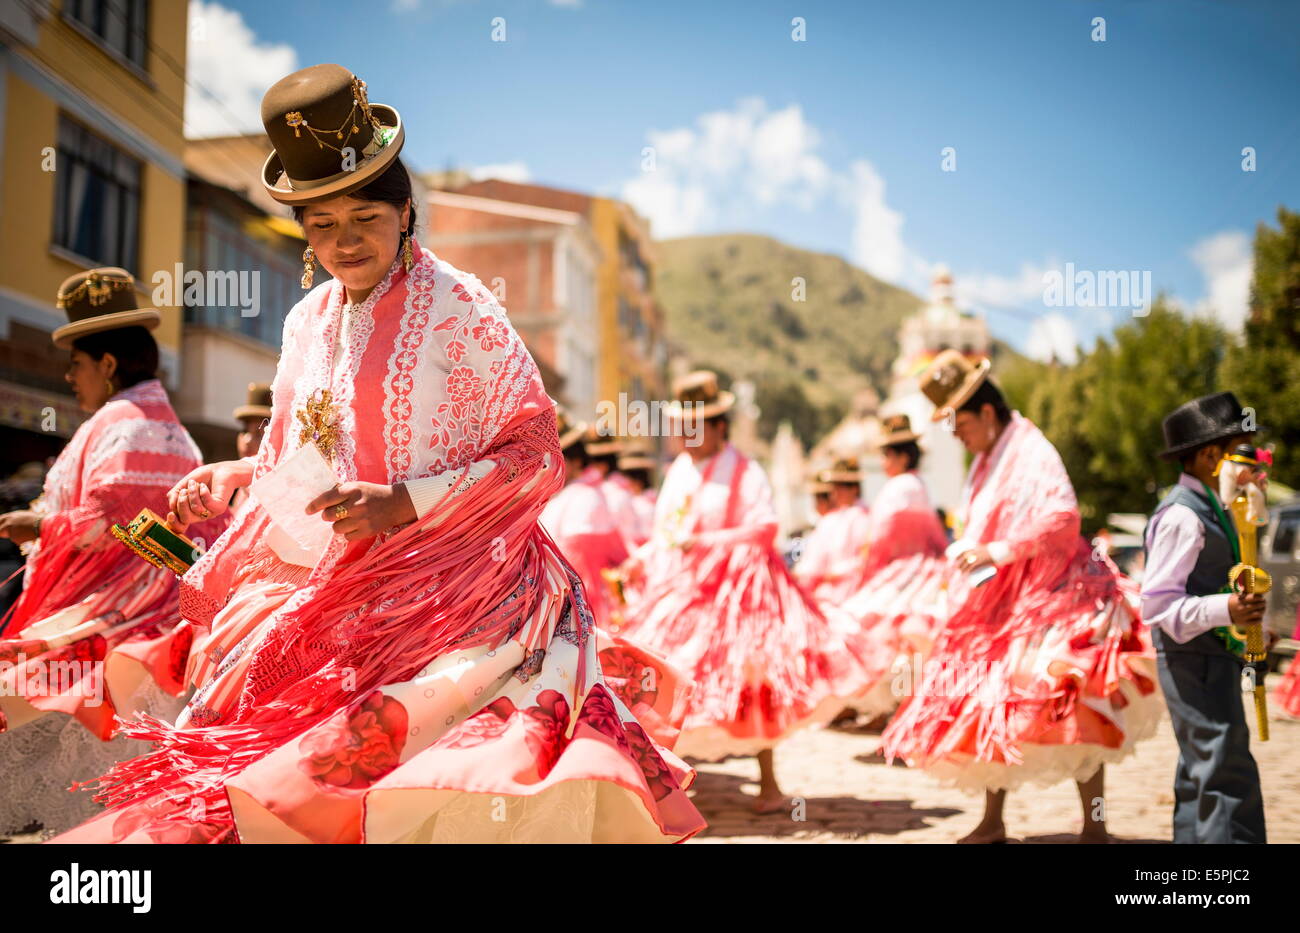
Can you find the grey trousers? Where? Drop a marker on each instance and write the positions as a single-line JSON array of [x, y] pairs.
[[1217, 796]]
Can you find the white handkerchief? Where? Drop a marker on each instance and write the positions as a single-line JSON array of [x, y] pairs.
[[285, 493]]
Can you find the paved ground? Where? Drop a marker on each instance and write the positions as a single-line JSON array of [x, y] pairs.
[[853, 796]]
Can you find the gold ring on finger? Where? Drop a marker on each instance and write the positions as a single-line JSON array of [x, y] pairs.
[[340, 512]]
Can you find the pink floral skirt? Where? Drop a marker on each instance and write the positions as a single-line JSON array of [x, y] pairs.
[[890, 623], [1061, 683], [764, 660], [94, 659], [523, 741]]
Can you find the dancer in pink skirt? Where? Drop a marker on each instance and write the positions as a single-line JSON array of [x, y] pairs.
[[718, 602], [1042, 671]]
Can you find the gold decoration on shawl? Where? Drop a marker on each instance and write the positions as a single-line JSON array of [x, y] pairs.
[[319, 423], [154, 540], [1248, 577]]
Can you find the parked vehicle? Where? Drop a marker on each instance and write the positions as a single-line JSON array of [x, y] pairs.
[[1279, 554]]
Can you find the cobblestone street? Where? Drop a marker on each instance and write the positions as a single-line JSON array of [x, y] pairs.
[[853, 796]]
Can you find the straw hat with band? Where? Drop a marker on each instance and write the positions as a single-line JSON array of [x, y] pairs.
[[637, 461], [317, 117], [701, 392], [1202, 421], [818, 488], [950, 380], [259, 402], [99, 300], [843, 470], [896, 429], [601, 445], [571, 431]]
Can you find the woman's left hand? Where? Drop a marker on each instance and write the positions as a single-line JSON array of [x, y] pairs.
[[363, 510], [19, 527]]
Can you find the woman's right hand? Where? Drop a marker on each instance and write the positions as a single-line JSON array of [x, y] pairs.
[[205, 492]]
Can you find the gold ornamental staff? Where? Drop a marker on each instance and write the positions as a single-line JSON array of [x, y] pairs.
[[1250, 578]]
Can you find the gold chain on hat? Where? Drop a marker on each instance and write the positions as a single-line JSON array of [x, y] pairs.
[[97, 286], [359, 100]]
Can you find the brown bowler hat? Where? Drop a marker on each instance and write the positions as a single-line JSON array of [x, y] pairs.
[[896, 429], [950, 380], [97, 300], [259, 402], [700, 390], [601, 445], [311, 117], [570, 431], [637, 461], [843, 470]]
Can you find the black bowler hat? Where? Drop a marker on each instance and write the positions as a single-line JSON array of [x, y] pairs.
[[1202, 421]]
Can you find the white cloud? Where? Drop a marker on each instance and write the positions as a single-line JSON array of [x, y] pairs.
[[1024, 287], [504, 171], [729, 159], [730, 162], [1053, 335], [225, 58], [1226, 262], [877, 238]]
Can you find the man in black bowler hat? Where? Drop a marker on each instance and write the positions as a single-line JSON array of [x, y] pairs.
[[1191, 545]]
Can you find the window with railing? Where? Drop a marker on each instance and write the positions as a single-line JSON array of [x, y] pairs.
[[218, 247], [97, 198], [122, 26]]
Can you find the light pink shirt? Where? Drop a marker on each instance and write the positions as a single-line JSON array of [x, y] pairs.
[[1174, 540]]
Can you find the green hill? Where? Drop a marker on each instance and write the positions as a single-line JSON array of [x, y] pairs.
[[729, 306]]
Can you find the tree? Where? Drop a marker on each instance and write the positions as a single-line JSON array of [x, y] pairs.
[[1264, 371], [1103, 415]]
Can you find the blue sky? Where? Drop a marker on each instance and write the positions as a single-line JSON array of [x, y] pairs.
[[1115, 155]]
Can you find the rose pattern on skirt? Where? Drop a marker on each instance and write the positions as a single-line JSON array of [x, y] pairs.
[[355, 752]]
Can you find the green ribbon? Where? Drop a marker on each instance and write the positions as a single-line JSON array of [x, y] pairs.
[[1223, 632]]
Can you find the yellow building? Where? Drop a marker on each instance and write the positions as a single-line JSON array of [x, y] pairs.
[[633, 353], [91, 174]]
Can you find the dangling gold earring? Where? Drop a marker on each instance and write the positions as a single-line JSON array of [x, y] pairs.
[[308, 267], [408, 260], [108, 384]]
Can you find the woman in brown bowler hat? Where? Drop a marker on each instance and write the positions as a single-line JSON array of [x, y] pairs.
[[90, 607], [429, 673], [1042, 671]]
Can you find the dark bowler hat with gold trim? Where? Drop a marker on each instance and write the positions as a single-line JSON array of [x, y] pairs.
[[896, 429], [97, 300], [950, 380], [259, 402], [313, 117]]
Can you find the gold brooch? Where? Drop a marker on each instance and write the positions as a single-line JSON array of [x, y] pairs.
[[318, 423]]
